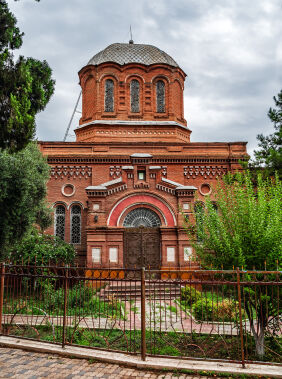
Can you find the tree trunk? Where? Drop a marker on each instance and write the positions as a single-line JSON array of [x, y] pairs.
[[259, 341]]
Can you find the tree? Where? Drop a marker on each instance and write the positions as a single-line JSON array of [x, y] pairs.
[[44, 217], [243, 230], [42, 249], [25, 86], [270, 153], [23, 178]]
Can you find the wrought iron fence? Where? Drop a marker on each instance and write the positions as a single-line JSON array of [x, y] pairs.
[[232, 315]]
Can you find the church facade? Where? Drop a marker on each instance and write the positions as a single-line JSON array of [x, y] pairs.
[[120, 192]]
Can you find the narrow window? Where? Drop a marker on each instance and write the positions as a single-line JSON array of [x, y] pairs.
[[75, 224], [96, 255], [160, 90], [141, 175], [113, 254], [188, 252], [170, 254], [60, 216], [134, 96], [109, 95]]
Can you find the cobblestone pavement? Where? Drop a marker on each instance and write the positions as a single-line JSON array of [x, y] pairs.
[[15, 363]]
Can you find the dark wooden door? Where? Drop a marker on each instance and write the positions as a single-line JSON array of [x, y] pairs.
[[142, 248]]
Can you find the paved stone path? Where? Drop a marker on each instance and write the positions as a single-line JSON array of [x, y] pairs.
[[15, 363]]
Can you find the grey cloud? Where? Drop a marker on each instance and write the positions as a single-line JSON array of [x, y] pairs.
[[230, 50]]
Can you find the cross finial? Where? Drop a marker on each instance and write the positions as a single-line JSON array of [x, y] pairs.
[[131, 40]]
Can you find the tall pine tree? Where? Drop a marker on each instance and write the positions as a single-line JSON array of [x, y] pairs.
[[26, 86], [270, 153]]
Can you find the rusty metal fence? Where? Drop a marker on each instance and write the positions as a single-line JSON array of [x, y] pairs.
[[232, 315]]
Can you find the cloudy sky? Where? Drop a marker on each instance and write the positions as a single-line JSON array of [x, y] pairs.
[[231, 51]]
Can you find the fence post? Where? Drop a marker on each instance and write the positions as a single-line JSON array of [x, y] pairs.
[[65, 307], [143, 315], [2, 278], [240, 317]]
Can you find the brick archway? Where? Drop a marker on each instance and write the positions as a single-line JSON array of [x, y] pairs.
[[141, 199]]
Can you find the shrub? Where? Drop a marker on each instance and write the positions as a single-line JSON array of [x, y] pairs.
[[190, 295], [224, 310], [43, 249]]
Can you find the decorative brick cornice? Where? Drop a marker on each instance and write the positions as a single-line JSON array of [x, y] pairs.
[[71, 172], [205, 171], [127, 161]]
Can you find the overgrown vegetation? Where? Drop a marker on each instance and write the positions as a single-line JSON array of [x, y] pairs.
[[82, 300], [158, 343], [42, 249], [244, 230], [209, 306], [23, 178]]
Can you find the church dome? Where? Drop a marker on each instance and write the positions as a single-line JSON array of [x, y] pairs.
[[124, 53]]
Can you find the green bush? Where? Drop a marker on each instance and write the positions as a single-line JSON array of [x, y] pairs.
[[207, 310], [190, 295], [43, 249]]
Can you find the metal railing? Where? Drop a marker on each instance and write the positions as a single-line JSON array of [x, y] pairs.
[[232, 315]]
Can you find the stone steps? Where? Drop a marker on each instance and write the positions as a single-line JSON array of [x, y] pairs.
[[156, 291]]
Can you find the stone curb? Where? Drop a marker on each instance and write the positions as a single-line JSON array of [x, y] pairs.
[[155, 363]]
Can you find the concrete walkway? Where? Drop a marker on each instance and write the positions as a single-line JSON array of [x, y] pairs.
[[134, 362]]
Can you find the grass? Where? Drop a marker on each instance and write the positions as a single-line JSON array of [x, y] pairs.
[[158, 343], [77, 305]]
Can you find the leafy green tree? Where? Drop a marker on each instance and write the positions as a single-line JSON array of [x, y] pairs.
[[270, 153], [23, 178], [25, 86], [243, 230], [44, 217], [42, 249]]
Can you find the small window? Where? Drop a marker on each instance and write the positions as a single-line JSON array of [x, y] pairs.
[[76, 224], [134, 96], [170, 254], [109, 95], [160, 92], [113, 254], [96, 254], [60, 216], [185, 206], [141, 175], [187, 253]]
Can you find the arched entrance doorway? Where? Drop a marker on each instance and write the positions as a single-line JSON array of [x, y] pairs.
[[142, 239]]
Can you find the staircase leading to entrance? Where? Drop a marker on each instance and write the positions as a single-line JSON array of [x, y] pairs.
[[157, 290]]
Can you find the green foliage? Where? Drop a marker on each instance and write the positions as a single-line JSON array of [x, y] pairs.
[[82, 300], [189, 295], [245, 229], [25, 86], [43, 249], [44, 217], [270, 153], [23, 178], [207, 310]]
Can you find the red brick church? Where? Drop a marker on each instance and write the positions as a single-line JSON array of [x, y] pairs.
[[118, 191]]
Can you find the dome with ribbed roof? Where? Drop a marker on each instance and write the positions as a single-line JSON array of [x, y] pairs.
[[124, 53]]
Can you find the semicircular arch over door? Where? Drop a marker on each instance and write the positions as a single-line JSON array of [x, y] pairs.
[[142, 217], [164, 211]]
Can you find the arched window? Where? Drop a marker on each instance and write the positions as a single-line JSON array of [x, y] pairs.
[[109, 95], [134, 96], [75, 224], [60, 216], [160, 92], [142, 217]]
